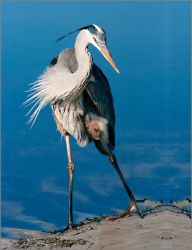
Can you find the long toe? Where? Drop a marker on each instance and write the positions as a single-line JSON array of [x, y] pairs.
[[118, 216], [69, 227], [133, 208]]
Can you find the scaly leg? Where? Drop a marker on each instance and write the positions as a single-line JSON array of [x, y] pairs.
[[133, 206], [71, 172]]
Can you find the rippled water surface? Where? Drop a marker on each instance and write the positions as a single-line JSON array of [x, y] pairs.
[[150, 43]]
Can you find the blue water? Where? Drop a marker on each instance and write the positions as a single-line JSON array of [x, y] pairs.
[[150, 43]]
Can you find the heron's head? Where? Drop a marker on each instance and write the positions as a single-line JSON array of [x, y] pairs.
[[98, 39], [96, 36]]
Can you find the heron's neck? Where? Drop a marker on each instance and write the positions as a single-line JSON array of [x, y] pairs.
[[83, 57]]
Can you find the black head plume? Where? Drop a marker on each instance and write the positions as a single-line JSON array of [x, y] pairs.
[[85, 27]]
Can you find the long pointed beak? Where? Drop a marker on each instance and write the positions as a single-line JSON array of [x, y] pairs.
[[108, 57]]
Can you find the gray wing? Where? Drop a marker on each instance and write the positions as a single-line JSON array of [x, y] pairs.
[[99, 91], [100, 94]]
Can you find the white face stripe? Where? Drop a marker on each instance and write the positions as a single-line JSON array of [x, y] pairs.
[[98, 28]]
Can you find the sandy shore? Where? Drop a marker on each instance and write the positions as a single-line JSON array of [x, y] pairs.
[[164, 230]]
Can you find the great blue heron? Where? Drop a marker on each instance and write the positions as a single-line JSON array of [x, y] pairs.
[[81, 101]]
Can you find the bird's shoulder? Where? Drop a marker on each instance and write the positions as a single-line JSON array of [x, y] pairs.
[[66, 59]]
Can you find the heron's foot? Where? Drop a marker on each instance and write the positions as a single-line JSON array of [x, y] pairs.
[[133, 208], [68, 228]]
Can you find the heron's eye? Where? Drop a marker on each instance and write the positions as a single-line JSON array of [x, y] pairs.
[[94, 39]]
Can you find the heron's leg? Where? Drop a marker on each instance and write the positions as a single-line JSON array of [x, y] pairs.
[[133, 206], [71, 172]]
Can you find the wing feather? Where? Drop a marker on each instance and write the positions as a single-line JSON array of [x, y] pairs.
[[99, 92]]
